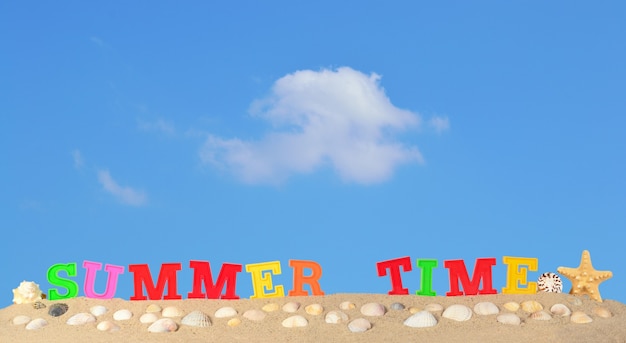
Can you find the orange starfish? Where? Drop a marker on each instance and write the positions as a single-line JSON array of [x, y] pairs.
[[585, 279]]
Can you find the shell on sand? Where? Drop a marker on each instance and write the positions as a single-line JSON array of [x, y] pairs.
[[541, 315], [457, 312], [574, 300], [509, 319], [580, 317], [414, 309], [57, 310], [153, 308], [36, 324], [359, 325], [295, 321], [271, 307], [122, 314], [531, 306], [397, 306], [314, 309], [163, 325], [422, 319], [233, 322], [511, 306], [81, 318], [197, 319], [486, 308], [108, 326], [560, 310], [373, 309], [98, 310], [254, 315], [37, 305], [225, 312], [602, 312], [21, 320], [291, 307], [148, 318], [336, 317], [433, 307], [172, 312], [347, 305]]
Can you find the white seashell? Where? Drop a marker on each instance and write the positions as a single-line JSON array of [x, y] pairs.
[[511, 306], [541, 315], [80, 319], [148, 318], [291, 307], [197, 319], [254, 315], [296, 321], [27, 292], [580, 317], [422, 319], [531, 306], [434, 307], [457, 312], [560, 310], [314, 309], [509, 319], [397, 306], [233, 322], [486, 308], [225, 312], [107, 326], [163, 325], [171, 312], [21, 320], [550, 282], [602, 312], [336, 317], [36, 324], [98, 310], [346, 305], [373, 309], [123, 314], [153, 308], [359, 325], [271, 307]]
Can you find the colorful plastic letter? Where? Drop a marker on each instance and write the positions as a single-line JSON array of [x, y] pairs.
[[482, 271], [394, 273], [427, 277], [227, 276], [54, 279], [262, 282], [517, 275], [167, 274], [299, 279], [90, 279]]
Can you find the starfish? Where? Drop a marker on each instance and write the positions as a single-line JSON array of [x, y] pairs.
[[585, 279]]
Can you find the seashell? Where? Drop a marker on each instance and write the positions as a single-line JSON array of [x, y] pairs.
[[602, 312], [291, 307], [397, 306], [148, 318], [26, 293], [153, 308], [233, 322], [531, 306], [37, 305], [550, 282], [197, 319], [107, 326], [36, 324], [413, 309], [336, 317], [509, 319], [486, 308], [171, 312], [346, 305], [434, 307], [511, 306], [314, 309], [81, 319], [163, 325], [225, 312], [580, 317], [457, 312], [574, 300], [296, 321], [122, 314], [422, 319], [254, 315], [541, 315], [373, 309], [57, 310], [21, 320], [359, 325], [271, 307], [98, 310], [560, 310]]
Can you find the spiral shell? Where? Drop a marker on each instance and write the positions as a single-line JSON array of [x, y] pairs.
[[457, 312], [550, 282], [422, 319], [26, 293]]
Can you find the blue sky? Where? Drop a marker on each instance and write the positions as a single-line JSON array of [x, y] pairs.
[[346, 134]]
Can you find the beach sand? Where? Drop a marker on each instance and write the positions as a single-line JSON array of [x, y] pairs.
[[386, 328]]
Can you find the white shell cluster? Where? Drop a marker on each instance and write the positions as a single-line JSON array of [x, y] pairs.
[[27, 292]]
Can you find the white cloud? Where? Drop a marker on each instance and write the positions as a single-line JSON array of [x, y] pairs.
[[125, 195], [158, 125], [78, 159], [339, 118], [440, 124]]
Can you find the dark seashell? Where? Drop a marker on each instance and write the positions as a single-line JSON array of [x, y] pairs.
[[39, 305], [57, 310]]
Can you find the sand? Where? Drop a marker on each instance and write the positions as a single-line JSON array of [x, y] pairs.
[[386, 328]]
